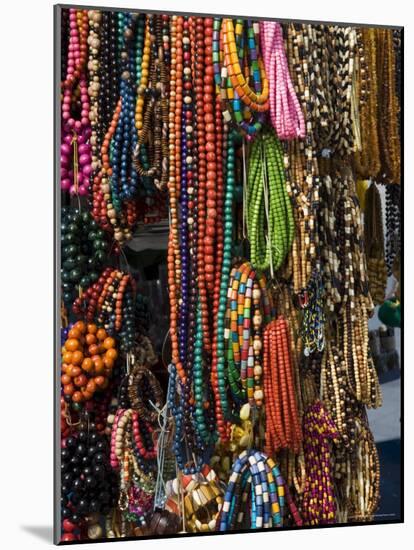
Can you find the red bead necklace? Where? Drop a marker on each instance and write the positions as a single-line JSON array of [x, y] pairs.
[[283, 427]]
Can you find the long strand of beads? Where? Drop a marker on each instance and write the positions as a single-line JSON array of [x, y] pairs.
[[318, 501], [76, 129], [364, 487], [248, 308], [94, 43], [174, 257], [218, 378], [374, 245], [268, 198], [285, 111], [282, 420]]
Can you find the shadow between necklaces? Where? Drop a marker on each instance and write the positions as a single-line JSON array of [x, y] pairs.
[[44, 533]]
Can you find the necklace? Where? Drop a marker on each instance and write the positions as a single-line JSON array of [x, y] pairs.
[[318, 502], [285, 112], [374, 245], [75, 164], [256, 475], [268, 205], [232, 68], [282, 420], [151, 113]]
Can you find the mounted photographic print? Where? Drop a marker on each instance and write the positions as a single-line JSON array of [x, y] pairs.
[[228, 287]]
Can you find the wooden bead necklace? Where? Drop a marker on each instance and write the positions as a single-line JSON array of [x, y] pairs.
[[341, 242], [388, 108], [342, 66], [363, 487], [374, 245], [75, 160], [392, 225], [367, 160], [138, 375], [110, 301], [151, 114], [303, 188], [352, 338], [337, 396]]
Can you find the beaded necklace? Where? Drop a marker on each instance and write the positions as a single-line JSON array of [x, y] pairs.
[[282, 420], [374, 245], [88, 485], [285, 112], [218, 377], [236, 56], [336, 394], [151, 112], [269, 212], [132, 454], [248, 308], [108, 73], [305, 56], [83, 251], [352, 338], [94, 44], [174, 184], [258, 475], [110, 299], [340, 234], [367, 160], [342, 45], [88, 358], [303, 188], [388, 108], [363, 488], [75, 163], [124, 178], [318, 502], [392, 225]]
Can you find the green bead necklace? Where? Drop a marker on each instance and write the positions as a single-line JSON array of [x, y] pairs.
[[270, 222]]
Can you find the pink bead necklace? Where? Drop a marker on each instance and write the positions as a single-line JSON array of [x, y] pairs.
[[75, 150], [285, 112]]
